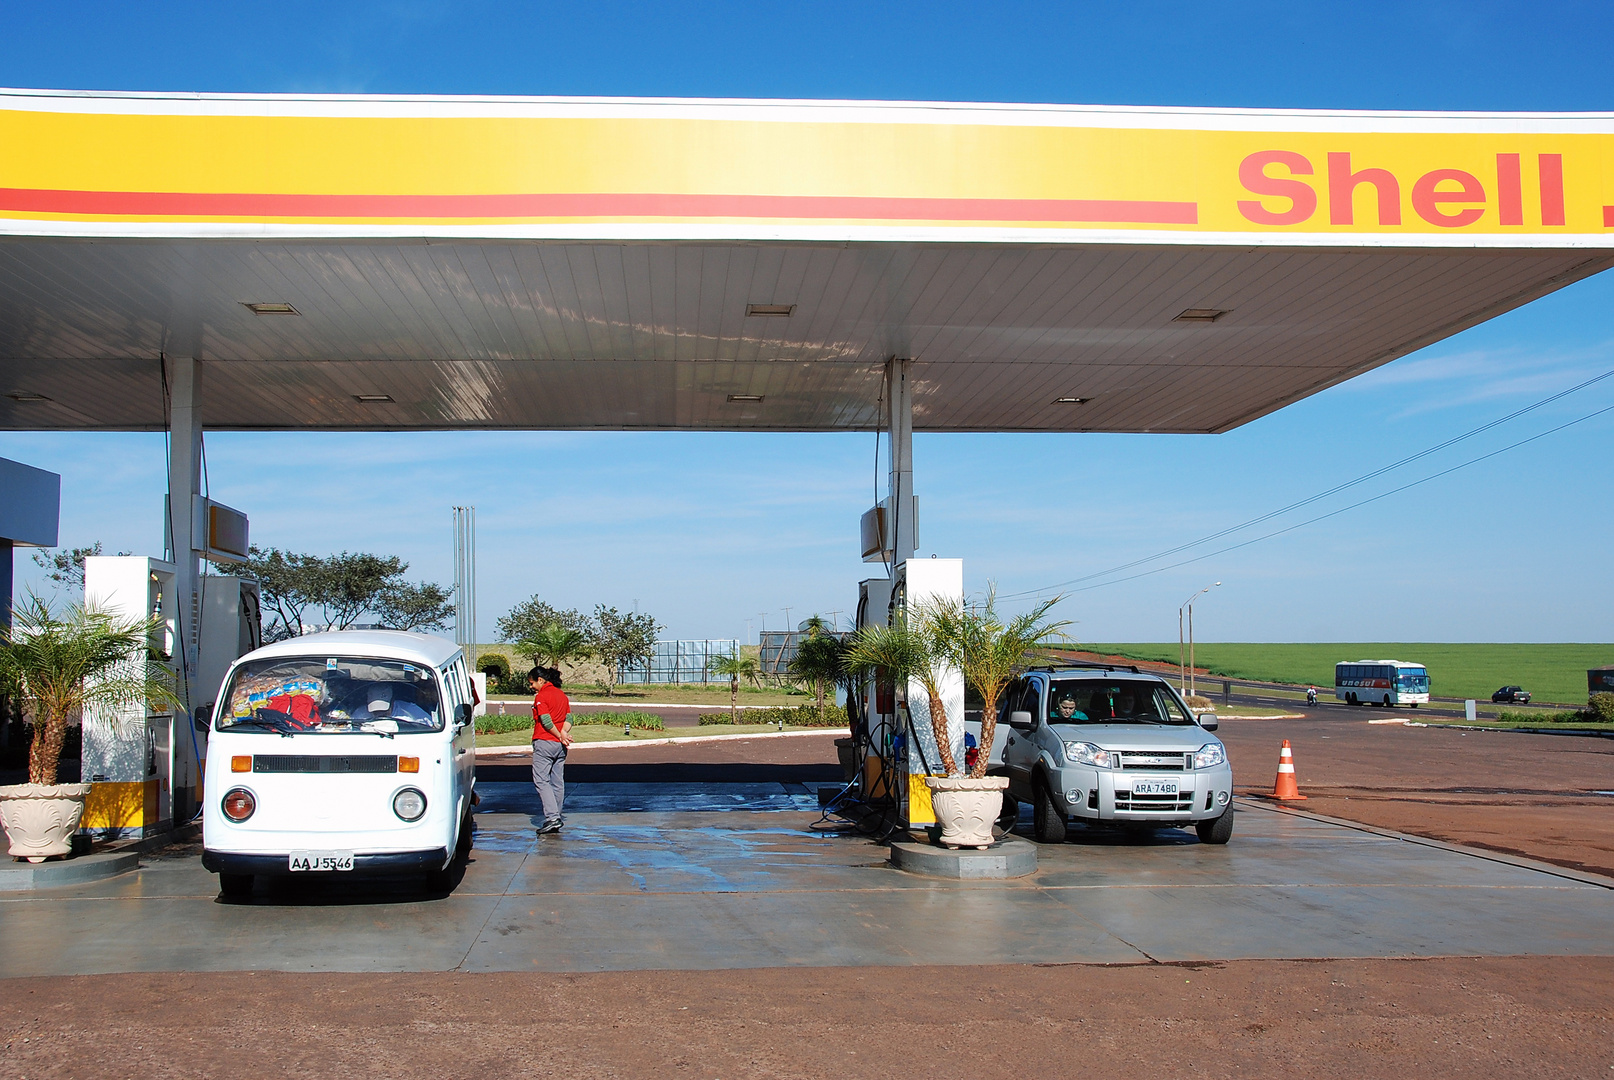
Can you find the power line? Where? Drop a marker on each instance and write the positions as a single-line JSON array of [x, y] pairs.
[[1336, 489]]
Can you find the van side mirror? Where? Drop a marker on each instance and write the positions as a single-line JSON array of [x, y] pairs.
[[463, 715], [204, 717], [1021, 720], [1208, 721]]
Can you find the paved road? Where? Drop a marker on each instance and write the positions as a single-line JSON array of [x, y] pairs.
[[642, 881]]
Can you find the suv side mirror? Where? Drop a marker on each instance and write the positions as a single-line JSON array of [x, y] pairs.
[[464, 715], [203, 718], [1208, 721], [1020, 720]]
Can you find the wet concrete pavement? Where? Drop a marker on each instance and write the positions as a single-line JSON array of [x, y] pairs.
[[709, 874]]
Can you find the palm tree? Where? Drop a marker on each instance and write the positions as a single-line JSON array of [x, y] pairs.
[[735, 667], [988, 650], [908, 650], [86, 660], [818, 662], [555, 645]]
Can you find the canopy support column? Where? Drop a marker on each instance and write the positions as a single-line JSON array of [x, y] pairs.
[[184, 483], [899, 425]]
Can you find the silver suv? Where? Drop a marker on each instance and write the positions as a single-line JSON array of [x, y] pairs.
[[1110, 745]]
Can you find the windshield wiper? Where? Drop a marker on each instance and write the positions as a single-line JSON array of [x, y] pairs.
[[267, 725]]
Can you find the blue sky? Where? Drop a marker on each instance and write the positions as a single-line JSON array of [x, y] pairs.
[[709, 530]]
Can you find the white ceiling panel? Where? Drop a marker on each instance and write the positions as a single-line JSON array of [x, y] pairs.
[[517, 334]]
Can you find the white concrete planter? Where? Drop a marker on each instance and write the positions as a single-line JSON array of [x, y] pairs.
[[40, 819], [966, 808]]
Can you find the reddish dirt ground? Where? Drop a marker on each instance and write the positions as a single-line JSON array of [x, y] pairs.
[[1460, 1018], [1530, 795]]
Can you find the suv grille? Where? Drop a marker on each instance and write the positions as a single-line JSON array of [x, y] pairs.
[[1131, 759], [1182, 802], [301, 763]]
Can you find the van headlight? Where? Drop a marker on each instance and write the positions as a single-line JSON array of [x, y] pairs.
[[238, 804], [1085, 753], [1209, 756], [409, 804]]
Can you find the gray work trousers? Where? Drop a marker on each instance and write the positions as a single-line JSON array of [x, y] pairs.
[[549, 775]]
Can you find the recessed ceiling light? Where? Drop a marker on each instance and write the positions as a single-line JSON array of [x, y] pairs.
[[372, 399], [745, 397], [1200, 314], [270, 309], [1071, 400], [776, 311], [24, 395]]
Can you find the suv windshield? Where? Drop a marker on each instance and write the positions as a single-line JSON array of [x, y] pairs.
[[331, 695], [1113, 701]]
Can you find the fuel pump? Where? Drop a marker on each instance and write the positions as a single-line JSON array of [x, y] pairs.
[[144, 767]]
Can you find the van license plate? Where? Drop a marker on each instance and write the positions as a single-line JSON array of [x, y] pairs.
[[321, 860], [1154, 787]]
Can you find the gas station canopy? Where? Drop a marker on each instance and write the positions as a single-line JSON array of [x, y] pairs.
[[412, 263]]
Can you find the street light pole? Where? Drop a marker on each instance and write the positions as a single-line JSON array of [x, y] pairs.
[[1185, 679]]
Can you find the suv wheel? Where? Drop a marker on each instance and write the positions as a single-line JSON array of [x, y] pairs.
[[1048, 823], [1216, 830]]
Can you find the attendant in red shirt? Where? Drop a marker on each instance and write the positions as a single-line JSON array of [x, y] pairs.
[[551, 735]]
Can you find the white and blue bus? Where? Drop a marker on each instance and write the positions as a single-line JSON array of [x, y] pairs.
[[1381, 682]]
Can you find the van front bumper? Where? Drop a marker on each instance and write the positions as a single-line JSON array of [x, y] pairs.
[[377, 865]]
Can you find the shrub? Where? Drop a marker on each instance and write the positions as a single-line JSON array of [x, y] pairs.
[[495, 665], [1521, 716], [1200, 703], [789, 715], [498, 725], [642, 721], [1601, 707]]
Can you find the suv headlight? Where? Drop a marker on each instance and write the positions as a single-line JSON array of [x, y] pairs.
[[1085, 753], [1209, 756]]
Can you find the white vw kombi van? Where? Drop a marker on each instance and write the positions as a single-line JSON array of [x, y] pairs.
[[351, 752]]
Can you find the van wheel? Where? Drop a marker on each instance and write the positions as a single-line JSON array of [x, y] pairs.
[[235, 885], [440, 880], [462, 849], [1010, 814], [1048, 824], [1217, 830]]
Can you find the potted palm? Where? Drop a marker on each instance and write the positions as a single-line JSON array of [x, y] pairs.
[[86, 660], [989, 651]]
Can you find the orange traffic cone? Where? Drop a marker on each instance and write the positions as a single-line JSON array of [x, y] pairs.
[[1284, 787]]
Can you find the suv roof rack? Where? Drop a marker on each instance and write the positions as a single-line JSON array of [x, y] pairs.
[[1090, 665]]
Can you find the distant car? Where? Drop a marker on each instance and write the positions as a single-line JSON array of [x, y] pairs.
[[1513, 695]]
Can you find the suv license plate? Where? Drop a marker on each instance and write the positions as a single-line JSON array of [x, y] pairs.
[[320, 860], [1154, 787]]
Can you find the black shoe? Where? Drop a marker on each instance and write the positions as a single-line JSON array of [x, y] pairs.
[[549, 825]]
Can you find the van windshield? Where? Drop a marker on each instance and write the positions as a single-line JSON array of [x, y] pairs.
[[331, 695], [1113, 701]]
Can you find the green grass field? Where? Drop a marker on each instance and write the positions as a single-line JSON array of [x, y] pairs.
[[1552, 673], [594, 733]]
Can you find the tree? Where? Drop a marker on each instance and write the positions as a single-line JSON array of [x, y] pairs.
[[621, 639], [353, 583], [532, 617], [342, 588], [988, 650], [66, 568], [908, 650], [88, 659], [287, 584], [735, 667], [555, 645], [421, 605], [818, 661]]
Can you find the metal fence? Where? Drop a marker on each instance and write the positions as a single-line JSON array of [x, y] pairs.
[[778, 649], [681, 661]]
